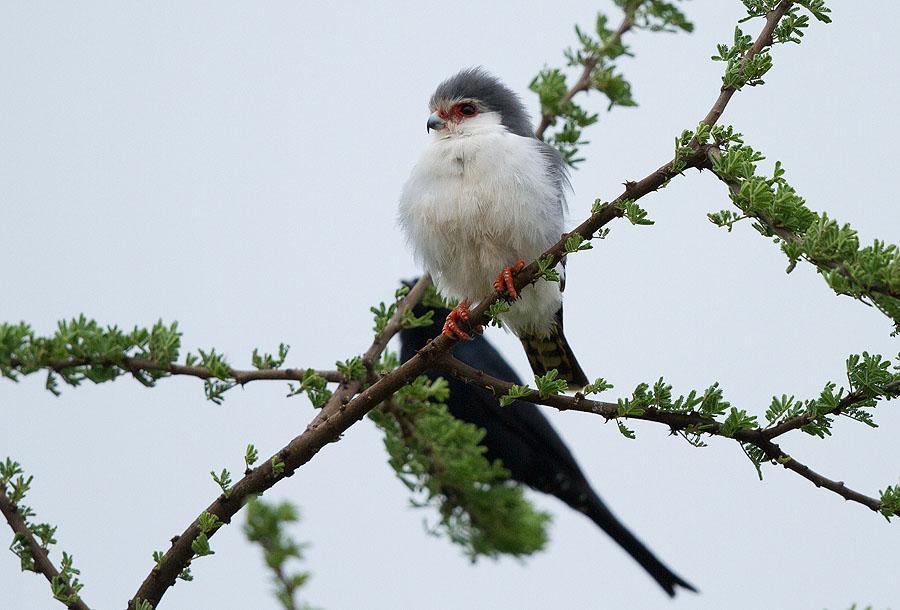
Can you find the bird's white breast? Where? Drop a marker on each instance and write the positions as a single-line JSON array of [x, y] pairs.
[[478, 202]]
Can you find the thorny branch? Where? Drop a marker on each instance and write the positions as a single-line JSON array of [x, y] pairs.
[[774, 453], [136, 365], [760, 437], [41, 559], [795, 423]]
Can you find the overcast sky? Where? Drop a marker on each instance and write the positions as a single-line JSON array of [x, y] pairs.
[[236, 167]]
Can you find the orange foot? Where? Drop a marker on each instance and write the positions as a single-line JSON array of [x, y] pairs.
[[504, 281], [451, 325]]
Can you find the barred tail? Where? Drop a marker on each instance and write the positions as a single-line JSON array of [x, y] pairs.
[[554, 352]]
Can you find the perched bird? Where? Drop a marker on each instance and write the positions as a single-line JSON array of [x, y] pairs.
[[522, 438], [484, 197]]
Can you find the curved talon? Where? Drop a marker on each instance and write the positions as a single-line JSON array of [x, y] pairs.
[[504, 281], [462, 310], [451, 326], [452, 329]]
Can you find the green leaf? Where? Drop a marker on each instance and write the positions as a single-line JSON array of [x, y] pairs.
[[223, 480], [625, 430], [388, 362], [208, 522], [251, 455], [200, 546], [315, 387], [576, 243], [352, 368], [548, 384], [441, 461], [266, 526], [277, 466], [268, 361], [515, 392], [817, 8], [726, 219], [497, 309], [890, 501], [599, 385], [737, 420], [635, 214], [409, 320], [546, 269], [159, 558]]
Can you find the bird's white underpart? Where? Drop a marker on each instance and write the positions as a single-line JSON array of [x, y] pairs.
[[479, 199]]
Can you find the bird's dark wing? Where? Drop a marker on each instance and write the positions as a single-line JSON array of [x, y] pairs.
[[523, 439], [556, 168]]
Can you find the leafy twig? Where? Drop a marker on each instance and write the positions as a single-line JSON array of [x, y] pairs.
[[871, 274], [762, 41], [40, 560], [138, 365], [265, 526], [584, 80], [597, 57], [694, 422], [440, 459]]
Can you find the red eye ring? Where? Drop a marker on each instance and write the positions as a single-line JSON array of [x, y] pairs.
[[468, 109]]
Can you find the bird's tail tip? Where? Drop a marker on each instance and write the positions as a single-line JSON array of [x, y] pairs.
[[671, 581]]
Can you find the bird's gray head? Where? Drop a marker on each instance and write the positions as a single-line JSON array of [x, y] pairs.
[[475, 96]]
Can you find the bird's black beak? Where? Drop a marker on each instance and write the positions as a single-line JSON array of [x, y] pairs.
[[435, 122]]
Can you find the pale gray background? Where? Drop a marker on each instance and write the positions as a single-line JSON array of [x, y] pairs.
[[236, 166]]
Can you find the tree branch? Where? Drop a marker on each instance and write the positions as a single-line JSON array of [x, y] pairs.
[[136, 365], [39, 555], [718, 108], [759, 437], [892, 389], [762, 41], [774, 453], [395, 324]]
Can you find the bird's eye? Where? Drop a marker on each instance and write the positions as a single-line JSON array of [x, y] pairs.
[[467, 110]]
